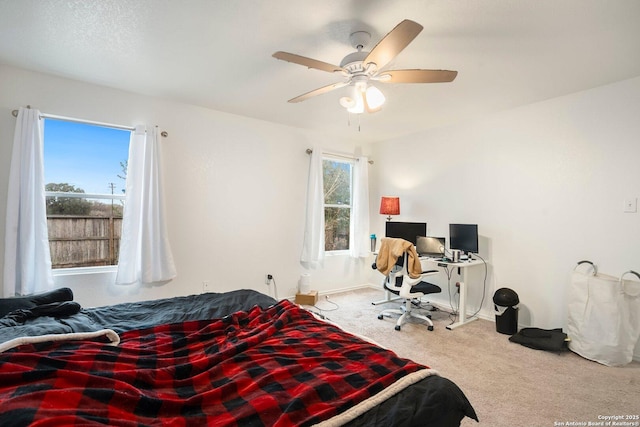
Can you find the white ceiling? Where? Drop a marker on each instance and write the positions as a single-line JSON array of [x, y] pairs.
[[217, 53]]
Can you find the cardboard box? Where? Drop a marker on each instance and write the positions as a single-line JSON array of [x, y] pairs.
[[307, 299]]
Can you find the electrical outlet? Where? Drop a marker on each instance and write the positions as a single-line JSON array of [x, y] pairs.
[[631, 205], [205, 286]]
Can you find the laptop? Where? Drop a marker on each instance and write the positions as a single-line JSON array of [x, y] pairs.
[[432, 247]]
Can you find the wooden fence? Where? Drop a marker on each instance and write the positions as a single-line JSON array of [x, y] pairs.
[[83, 241]]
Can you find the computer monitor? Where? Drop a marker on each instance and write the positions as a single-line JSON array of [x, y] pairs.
[[406, 230], [464, 237]]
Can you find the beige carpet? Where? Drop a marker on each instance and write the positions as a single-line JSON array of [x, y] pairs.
[[508, 384]]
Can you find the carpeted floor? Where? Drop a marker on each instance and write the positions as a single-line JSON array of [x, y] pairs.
[[508, 384]]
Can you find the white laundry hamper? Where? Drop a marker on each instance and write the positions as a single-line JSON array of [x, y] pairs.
[[603, 322]]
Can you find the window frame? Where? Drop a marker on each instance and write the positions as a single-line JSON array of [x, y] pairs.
[[351, 163], [95, 269]]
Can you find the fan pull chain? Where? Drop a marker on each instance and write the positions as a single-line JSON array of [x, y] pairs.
[[349, 120]]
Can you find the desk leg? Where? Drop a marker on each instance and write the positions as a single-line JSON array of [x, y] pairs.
[[462, 312]]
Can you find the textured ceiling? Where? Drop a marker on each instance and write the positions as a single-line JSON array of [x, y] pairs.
[[217, 53]]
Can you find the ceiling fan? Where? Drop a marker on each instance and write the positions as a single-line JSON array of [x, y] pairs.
[[361, 68]]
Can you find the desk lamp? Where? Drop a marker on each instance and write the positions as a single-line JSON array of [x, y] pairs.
[[390, 206]]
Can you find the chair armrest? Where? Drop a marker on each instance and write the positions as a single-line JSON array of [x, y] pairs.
[[407, 284]]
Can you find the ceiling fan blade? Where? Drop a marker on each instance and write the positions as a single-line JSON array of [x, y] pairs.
[[417, 76], [308, 62], [318, 91], [393, 43]]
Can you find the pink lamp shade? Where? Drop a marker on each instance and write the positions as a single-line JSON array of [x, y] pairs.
[[390, 206]]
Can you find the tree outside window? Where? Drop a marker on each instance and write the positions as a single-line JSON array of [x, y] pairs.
[[337, 180]]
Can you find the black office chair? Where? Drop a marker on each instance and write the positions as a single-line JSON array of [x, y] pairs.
[[399, 283]]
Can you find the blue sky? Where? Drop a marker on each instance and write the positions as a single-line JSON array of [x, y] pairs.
[[86, 156]]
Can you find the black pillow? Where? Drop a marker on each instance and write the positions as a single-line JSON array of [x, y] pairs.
[[7, 305], [54, 309], [541, 339]]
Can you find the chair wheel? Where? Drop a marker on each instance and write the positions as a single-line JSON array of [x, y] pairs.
[[397, 328], [430, 328], [380, 316]]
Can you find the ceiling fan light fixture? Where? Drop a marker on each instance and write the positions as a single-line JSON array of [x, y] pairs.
[[347, 102], [354, 101], [374, 99], [358, 105], [363, 98]]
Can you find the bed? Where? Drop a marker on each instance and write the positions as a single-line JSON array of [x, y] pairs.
[[235, 358]]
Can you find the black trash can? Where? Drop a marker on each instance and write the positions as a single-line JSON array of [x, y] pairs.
[[505, 302]]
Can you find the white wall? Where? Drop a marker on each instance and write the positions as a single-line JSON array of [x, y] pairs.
[[235, 189], [545, 183]]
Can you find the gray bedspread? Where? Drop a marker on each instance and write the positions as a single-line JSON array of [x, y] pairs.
[[137, 315]]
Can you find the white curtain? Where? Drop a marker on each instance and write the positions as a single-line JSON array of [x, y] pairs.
[[27, 260], [359, 227], [313, 243], [145, 253]]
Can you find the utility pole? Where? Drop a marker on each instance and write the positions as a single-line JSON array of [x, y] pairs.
[[112, 186]]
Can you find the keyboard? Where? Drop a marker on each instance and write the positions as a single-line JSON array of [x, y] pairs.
[[431, 257]]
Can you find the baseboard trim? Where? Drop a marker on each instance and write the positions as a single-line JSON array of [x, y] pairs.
[[339, 290]]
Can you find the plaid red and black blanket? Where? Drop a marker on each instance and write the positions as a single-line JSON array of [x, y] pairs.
[[275, 366]]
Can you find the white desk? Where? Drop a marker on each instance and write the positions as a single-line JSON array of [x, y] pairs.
[[464, 266]]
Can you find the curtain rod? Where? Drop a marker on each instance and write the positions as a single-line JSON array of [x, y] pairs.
[[309, 151], [14, 113]]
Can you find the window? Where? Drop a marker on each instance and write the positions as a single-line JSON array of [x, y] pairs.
[[85, 168], [337, 180]]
